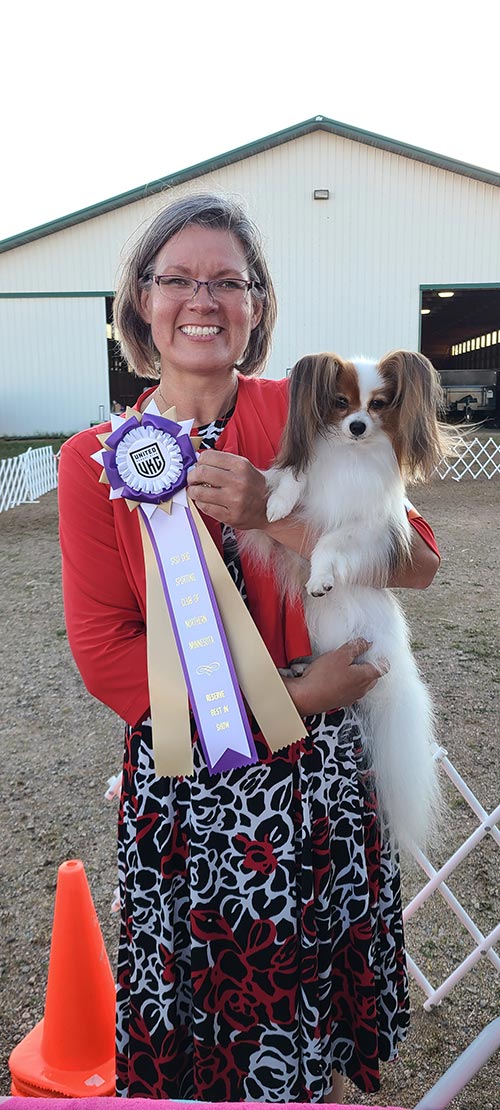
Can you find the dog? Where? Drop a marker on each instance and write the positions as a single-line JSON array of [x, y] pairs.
[[357, 431]]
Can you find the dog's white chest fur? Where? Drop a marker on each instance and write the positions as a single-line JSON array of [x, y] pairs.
[[351, 496], [346, 482]]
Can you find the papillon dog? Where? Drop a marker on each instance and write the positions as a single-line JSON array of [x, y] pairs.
[[357, 430]]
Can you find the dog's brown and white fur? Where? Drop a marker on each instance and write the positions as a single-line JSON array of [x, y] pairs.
[[356, 431]]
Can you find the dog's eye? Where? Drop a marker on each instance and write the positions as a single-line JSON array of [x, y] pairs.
[[377, 403], [341, 403]]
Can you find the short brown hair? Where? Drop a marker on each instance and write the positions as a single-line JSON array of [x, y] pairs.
[[206, 210]]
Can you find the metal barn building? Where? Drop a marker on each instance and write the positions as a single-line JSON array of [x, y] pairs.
[[363, 233]]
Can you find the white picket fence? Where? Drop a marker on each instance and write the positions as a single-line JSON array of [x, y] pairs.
[[26, 477], [484, 1046], [437, 882], [475, 459]]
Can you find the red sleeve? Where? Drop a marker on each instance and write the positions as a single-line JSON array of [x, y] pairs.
[[424, 530], [106, 628]]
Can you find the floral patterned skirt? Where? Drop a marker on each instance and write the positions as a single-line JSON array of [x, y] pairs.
[[261, 942]]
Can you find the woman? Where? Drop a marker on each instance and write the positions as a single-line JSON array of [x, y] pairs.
[[261, 950]]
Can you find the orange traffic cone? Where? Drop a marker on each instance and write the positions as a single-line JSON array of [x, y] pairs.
[[70, 1053]]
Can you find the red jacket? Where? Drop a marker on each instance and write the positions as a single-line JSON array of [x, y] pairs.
[[103, 566]]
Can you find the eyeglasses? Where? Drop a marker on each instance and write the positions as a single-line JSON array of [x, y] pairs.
[[219, 289]]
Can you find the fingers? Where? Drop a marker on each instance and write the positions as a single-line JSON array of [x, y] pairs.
[[358, 647], [209, 484], [336, 679], [382, 664], [358, 677], [208, 508], [367, 674], [366, 679], [228, 488], [214, 467]]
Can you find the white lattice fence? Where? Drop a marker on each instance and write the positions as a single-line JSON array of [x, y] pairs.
[[475, 459], [26, 477], [485, 945]]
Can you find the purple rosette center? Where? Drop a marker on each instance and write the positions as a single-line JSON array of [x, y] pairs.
[[148, 460]]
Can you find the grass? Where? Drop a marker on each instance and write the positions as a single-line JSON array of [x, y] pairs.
[[9, 448]]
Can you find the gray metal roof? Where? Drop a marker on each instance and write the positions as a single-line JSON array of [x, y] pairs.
[[317, 123]]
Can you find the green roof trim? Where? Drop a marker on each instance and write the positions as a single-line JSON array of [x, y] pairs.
[[461, 285], [55, 295], [297, 131]]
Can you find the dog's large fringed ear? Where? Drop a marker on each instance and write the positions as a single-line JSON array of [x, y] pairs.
[[312, 400], [421, 440]]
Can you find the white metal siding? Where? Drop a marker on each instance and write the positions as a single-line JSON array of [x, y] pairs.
[[53, 364], [347, 270]]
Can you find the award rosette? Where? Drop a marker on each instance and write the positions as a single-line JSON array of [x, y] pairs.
[[201, 640]]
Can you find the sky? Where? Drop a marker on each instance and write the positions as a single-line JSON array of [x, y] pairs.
[[102, 97]]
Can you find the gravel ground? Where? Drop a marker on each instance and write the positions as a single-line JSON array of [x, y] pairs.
[[58, 747]]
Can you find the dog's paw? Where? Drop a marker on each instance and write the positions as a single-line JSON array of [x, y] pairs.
[[320, 584], [278, 506], [300, 667], [297, 667]]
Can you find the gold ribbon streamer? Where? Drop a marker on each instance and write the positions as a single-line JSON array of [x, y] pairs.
[[169, 704]]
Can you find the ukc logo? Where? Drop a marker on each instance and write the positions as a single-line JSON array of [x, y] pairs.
[[148, 461]]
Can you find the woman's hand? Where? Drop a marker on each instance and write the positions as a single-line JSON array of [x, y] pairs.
[[228, 488], [335, 679]]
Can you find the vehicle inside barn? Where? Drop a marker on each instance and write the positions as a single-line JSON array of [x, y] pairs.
[[460, 334]]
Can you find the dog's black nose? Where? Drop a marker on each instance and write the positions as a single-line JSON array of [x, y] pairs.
[[357, 427]]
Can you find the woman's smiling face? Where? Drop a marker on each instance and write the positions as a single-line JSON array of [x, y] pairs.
[[200, 334]]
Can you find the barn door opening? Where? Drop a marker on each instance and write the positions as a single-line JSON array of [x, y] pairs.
[[124, 386], [460, 334]]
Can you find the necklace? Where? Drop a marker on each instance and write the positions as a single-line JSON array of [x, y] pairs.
[[227, 405], [164, 403]]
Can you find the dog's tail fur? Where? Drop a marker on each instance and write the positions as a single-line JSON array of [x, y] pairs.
[[399, 722]]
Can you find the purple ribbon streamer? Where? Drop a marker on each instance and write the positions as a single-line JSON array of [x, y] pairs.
[[232, 756]]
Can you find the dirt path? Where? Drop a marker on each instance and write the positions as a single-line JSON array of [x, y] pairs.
[[58, 747]]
